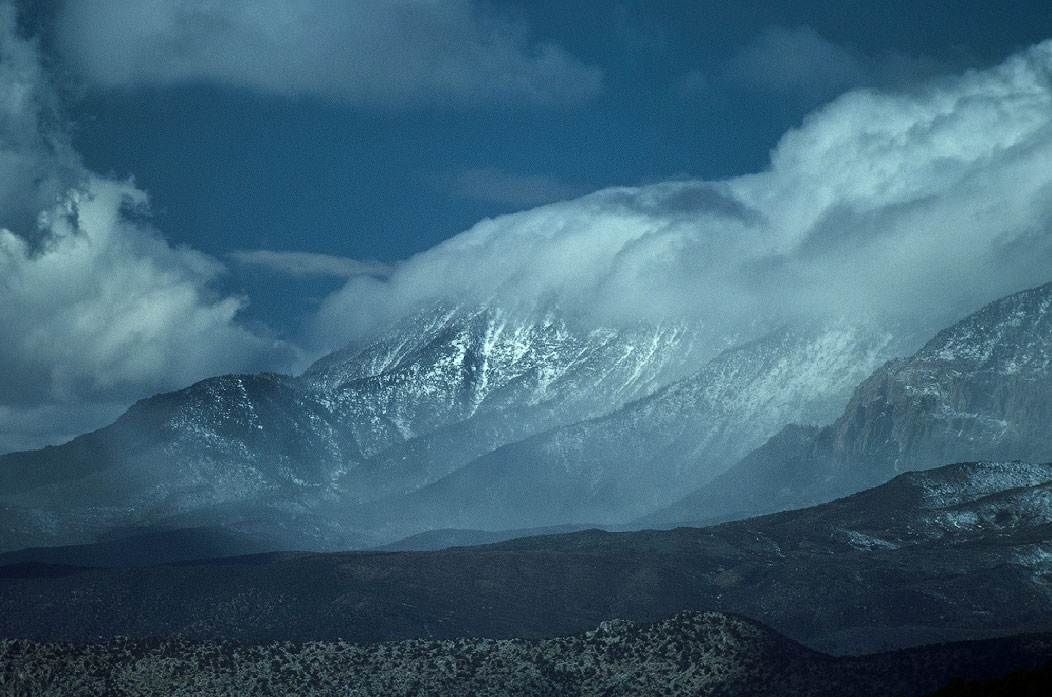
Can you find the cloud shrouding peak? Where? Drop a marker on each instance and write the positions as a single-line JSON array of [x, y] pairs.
[[916, 207], [96, 309], [378, 53]]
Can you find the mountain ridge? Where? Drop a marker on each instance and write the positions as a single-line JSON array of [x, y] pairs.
[[285, 446], [326, 453], [978, 389], [472, 418], [610, 468]]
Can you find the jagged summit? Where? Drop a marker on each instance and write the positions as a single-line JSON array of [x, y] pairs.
[[434, 370], [1009, 336], [502, 345]]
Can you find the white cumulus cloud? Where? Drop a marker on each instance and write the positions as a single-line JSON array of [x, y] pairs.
[[96, 309], [366, 52]]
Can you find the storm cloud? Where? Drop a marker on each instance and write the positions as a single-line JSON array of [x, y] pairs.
[[907, 207], [96, 308], [390, 53]]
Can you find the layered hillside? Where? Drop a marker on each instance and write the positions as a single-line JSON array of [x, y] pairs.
[[958, 552]]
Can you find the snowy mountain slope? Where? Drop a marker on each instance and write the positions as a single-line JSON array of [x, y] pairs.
[[206, 450], [485, 379], [235, 447], [981, 388], [637, 459], [473, 417]]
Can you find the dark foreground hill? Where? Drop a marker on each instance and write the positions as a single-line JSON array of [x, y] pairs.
[[959, 552], [687, 654]]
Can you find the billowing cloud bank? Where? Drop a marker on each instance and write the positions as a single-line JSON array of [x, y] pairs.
[[913, 207], [371, 52], [96, 309]]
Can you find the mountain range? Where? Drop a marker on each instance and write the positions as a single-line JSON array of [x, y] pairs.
[[470, 424], [271, 452], [468, 417]]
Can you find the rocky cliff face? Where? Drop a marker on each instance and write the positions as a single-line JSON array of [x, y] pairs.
[[981, 388]]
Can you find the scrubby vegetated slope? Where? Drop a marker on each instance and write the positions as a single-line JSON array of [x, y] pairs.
[[687, 654]]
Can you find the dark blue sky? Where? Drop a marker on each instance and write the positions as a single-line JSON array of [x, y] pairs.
[[239, 168]]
